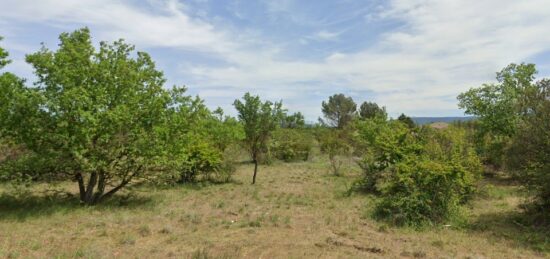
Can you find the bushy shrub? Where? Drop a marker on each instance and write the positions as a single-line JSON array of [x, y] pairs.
[[28, 167], [291, 144], [421, 175], [419, 191], [382, 144], [200, 159]]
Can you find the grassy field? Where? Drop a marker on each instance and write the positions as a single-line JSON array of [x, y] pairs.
[[295, 210]]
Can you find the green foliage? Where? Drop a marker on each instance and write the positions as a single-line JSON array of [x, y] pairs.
[[3, 57], [96, 113], [500, 108], [406, 120], [529, 153], [334, 143], [370, 110], [291, 144], [421, 175], [339, 111], [419, 191], [383, 143], [296, 120], [259, 120]]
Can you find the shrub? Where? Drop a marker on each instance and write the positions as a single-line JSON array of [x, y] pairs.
[[200, 159], [291, 145], [334, 143], [421, 175], [419, 191], [382, 144]]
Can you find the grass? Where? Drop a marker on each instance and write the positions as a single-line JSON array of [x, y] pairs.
[[295, 210]]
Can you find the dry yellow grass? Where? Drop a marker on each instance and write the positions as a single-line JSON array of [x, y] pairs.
[[295, 210]]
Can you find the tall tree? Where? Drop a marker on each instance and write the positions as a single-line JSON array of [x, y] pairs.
[[259, 119], [499, 106], [369, 110], [338, 111], [97, 113]]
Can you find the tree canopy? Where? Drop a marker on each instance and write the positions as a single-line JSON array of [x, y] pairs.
[[260, 119], [339, 110]]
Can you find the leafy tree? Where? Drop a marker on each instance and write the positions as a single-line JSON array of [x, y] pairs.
[[296, 120], [97, 113], [529, 153], [406, 120], [338, 111], [499, 108], [259, 119], [369, 110]]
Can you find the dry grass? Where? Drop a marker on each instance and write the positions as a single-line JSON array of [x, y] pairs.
[[295, 210]]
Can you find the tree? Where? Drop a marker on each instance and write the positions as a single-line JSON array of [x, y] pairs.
[[529, 153], [97, 113], [259, 119], [369, 110], [500, 108], [338, 111], [3, 57], [406, 120], [296, 120]]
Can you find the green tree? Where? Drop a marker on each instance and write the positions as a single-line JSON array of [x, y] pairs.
[[338, 111], [499, 108], [406, 120], [259, 119], [96, 113], [295, 120], [369, 110], [529, 153]]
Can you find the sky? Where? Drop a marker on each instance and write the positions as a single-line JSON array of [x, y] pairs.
[[412, 56]]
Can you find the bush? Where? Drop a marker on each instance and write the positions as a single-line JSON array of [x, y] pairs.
[[421, 175], [382, 144], [415, 192], [291, 144], [334, 143]]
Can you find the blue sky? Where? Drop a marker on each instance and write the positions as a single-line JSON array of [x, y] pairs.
[[412, 56]]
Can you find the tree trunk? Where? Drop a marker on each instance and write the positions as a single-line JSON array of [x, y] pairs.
[[89, 197], [81, 187], [255, 170]]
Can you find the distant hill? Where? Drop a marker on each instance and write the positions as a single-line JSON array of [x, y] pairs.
[[428, 120]]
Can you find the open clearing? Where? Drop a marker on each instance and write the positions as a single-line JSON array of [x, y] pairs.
[[295, 210]]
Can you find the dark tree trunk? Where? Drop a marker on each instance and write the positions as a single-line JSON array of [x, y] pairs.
[[255, 170], [92, 182], [81, 187], [94, 192]]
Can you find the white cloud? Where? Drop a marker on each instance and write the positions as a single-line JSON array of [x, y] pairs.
[[443, 48], [326, 35]]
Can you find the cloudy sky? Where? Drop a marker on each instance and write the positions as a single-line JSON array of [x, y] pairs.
[[412, 56]]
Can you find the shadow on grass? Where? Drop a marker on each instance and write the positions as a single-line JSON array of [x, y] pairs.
[[30, 206], [513, 226]]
